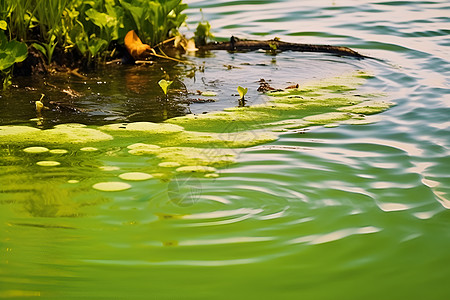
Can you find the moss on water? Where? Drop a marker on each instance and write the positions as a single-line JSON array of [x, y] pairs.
[[188, 156], [367, 107], [327, 118], [36, 150], [199, 143], [311, 99], [61, 134], [142, 127]]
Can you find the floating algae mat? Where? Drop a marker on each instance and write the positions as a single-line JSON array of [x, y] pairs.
[[118, 157]]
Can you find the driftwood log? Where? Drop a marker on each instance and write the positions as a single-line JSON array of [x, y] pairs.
[[236, 44]]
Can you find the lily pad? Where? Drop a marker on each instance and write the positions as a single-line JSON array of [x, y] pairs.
[[112, 186]]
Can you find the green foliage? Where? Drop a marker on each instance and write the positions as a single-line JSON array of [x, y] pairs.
[[89, 26], [11, 52], [202, 33], [47, 48], [154, 20]]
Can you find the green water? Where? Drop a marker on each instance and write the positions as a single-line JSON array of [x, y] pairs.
[[347, 212]]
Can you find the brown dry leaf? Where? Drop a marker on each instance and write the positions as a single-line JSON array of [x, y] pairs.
[[135, 47]]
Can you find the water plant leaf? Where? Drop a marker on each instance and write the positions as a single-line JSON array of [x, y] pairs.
[[39, 48], [12, 52], [202, 33], [242, 91], [164, 84], [96, 44], [3, 25]]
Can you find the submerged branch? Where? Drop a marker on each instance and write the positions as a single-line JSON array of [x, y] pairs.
[[273, 45]]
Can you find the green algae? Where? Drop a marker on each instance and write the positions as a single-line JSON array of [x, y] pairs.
[[142, 127], [329, 117], [188, 156], [48, 163], [194, 143], [311, 99], [113, 186], [88, 149], [187, 146], [60, 134], [36, 150], [58, 151], [367, 107], [192, 169], [135, 176], [169, 164], [109, 168]]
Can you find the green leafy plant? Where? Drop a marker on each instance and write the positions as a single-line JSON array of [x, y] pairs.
[[11, 52], [47, 48], [164, 84], [154, 20], [89, 26], [242, 92]]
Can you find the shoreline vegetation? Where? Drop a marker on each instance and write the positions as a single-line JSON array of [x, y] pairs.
[[43, 37]]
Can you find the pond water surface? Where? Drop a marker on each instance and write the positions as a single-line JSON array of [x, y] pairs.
[[323, 212]]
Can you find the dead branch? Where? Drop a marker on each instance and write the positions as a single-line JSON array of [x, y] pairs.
[[236, 44]]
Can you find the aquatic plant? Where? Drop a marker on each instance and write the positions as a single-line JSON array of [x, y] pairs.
[[164, 84], [154, 20], [60, 26], [47, 49], [202, 33], [242, 92], [11, 52]]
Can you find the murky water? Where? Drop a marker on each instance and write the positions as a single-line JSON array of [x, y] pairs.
[[347, 212]]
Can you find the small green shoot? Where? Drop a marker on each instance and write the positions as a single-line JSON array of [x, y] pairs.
[[242, 92], [164, 84]]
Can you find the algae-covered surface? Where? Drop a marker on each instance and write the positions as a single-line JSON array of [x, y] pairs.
[[118, 156], [212, 139]]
